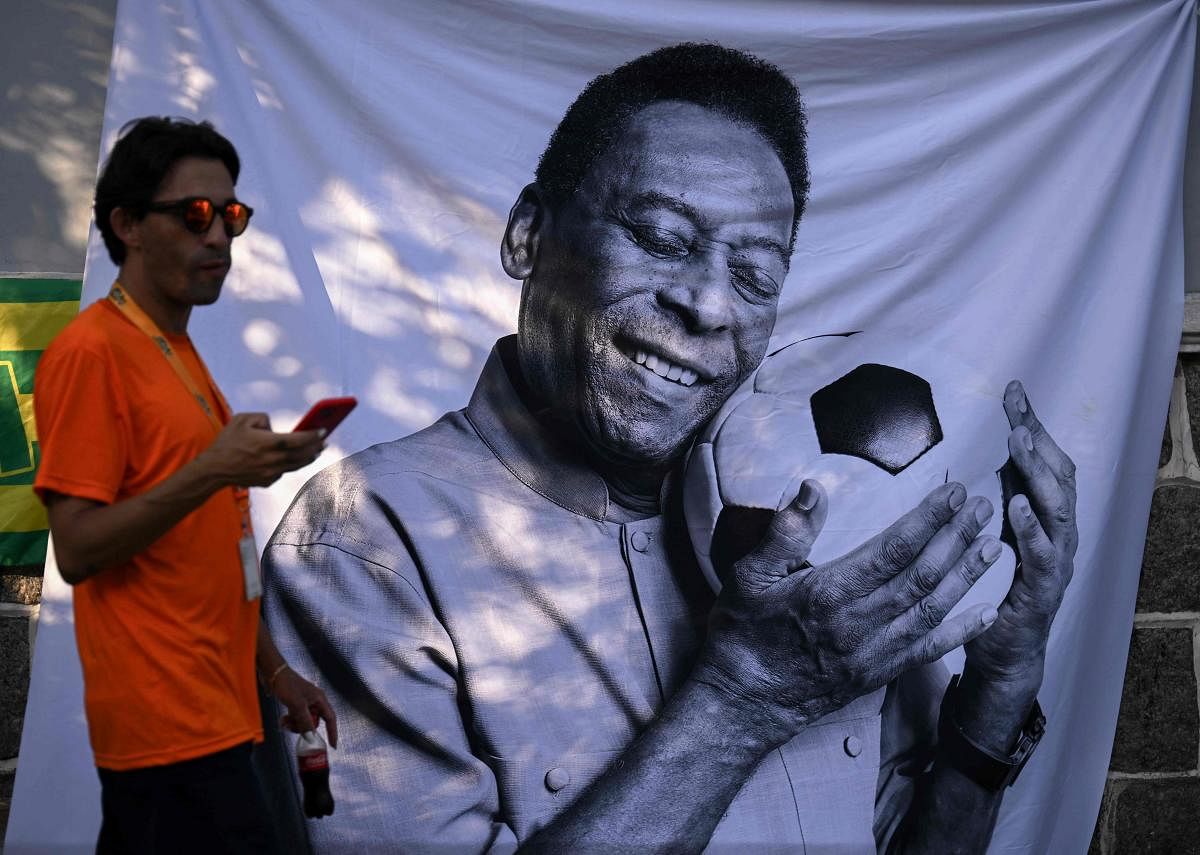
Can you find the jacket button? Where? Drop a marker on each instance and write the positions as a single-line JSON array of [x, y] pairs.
[[853, 746], [640, 540], [557, 778]]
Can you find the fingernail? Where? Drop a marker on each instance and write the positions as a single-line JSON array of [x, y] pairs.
[[983, 512], [989, 616], [807, 498], [990, 551], [956, 498], [1023, 506], [1027, 440], [1018, 396], [321, 432]]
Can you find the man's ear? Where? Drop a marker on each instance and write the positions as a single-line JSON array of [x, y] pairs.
[[126, 227], [518, 250]]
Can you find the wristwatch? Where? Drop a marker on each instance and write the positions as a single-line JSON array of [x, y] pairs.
[[987, 768]]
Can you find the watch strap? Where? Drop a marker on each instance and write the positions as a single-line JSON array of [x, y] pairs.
[[985, 767]]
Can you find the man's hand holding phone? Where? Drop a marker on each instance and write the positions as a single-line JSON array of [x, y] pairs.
[[247, 453]]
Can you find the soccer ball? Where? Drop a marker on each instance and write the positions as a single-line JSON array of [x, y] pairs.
[[876, 418]]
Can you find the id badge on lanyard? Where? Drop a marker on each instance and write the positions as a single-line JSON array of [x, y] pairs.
[[247, 550], [251, 574]]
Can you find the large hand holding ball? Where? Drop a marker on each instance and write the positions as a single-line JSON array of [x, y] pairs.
[[873, 417]]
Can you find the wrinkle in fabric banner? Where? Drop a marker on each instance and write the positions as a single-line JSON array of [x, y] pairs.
[[749, 337]]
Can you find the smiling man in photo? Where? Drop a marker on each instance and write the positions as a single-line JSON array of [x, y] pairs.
[[505, 609]]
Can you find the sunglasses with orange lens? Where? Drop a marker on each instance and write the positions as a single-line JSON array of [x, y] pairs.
[[198, 213]]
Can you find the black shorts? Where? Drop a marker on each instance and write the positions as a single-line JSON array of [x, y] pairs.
[[212, 804]]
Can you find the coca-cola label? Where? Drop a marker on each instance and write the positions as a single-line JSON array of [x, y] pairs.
[[313, 762]]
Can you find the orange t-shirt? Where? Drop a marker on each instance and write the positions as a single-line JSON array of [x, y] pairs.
[[167, 639]]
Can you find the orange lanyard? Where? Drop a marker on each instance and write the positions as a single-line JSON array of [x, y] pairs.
[[138, 317]]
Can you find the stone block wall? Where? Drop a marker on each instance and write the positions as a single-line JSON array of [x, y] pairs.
[[1152, 797], [20, 594]]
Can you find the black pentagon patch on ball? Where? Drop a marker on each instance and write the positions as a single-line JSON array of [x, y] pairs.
[[882, 414]]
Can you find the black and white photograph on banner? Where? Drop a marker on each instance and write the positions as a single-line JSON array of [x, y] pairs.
[[526, 563], [740, 461]]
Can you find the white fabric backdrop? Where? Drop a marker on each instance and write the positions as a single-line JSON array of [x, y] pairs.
[[1003, 180]]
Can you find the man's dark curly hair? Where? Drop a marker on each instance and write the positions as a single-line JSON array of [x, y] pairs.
[[732, 82], [146, 150]]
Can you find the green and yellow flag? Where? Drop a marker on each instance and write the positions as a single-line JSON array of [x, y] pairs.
[[32, 311]]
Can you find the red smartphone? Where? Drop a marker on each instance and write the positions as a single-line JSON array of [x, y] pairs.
[[326, 413]]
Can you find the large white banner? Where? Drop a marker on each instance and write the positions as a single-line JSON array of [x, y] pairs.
[[999, 182]]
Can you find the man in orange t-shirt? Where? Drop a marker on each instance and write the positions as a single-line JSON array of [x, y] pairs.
[[144, 474]]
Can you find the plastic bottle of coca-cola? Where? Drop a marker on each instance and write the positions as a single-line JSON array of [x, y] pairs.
[[312, 759]]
